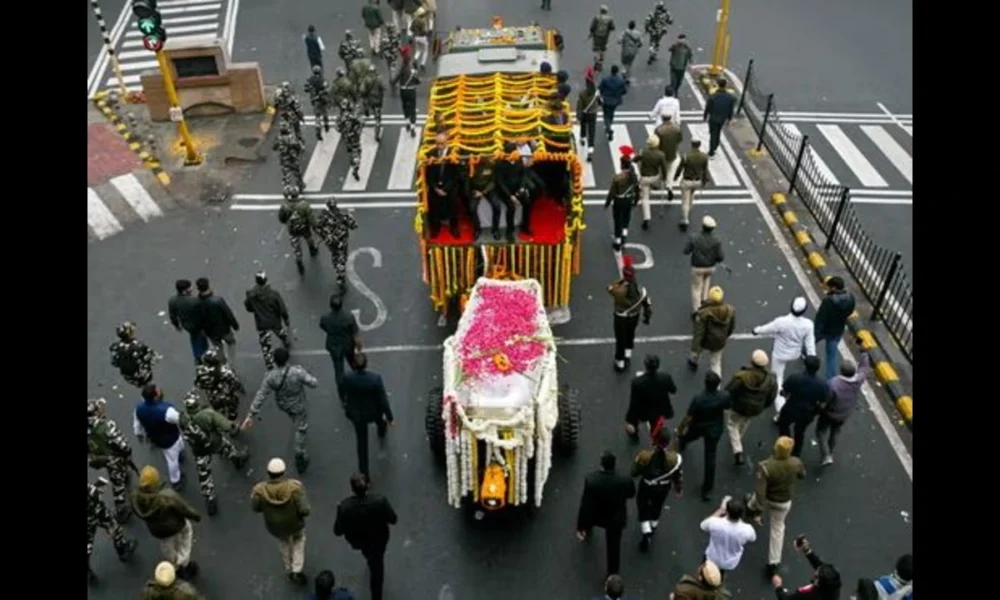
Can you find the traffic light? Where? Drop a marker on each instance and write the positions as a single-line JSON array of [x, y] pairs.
[[150, 24]]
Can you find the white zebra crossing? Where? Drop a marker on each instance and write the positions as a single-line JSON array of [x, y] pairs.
[[892, 150], [123, 200], [137, 197], [319, 162], [824, 171], [852, 156], [868, 158], [101, 220], [404, 163], [369, 148]]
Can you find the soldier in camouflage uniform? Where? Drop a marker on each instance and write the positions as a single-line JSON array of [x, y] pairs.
[[350, 124], [373, 93], [108, 449], [298, 216], [290, 149], [206, 431], [390, 47], [334, 227], [133, 359], [289, 109], [220, 383], [319, 96], [350, 49], [287, 383], [98, 515], [601, 27], [344, 91], [656, 27]]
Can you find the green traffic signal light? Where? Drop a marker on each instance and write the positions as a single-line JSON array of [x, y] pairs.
[[149, 24]]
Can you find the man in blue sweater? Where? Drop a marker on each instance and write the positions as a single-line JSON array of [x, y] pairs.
[[158, 421]]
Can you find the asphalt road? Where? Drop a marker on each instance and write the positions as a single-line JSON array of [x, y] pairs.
[[95, 42]]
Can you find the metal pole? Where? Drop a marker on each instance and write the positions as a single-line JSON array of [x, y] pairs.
[[746, 84], [845, 196], [721, 30], [763, 126], [885, 285], [110, 48], [725, 52], [191, 155], [798, 163]]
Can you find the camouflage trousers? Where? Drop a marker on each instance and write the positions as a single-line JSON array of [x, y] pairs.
[[103, 519], [374, 110], [296, 242], [203, 466], [229, 406], [300, 421], [354, 150], [338, 255], [118, 475], [654, 46], [295, 124], [322, 118], [291, 172], [267, 344], [140, 378]]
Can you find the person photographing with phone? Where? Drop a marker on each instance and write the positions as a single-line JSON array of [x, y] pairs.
[[825, 584]]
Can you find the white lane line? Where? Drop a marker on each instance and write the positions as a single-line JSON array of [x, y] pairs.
[[852, 156], [412, 205], [140, 66], [796, 113], [898, 118], [882, 201], [898, 447], [898, 156], [824, 171], [882, 121], [136, 40], [719, 194], [404, 162], [132, 54], [880, 192], [190, 9], [129, 80], [622, 138], [101, 221], [718, 167], [137, 197], [203, 19], [319, 162], [172, 3], [369, 148]]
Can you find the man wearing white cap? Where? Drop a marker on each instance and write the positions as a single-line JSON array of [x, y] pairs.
[[793, 334], [751, 390], [284, 504], [166, 585], [706, 252], [706, 583]]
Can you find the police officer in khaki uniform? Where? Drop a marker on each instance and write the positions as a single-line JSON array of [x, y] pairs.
[[652, 171], [670, 141], [693, 175]]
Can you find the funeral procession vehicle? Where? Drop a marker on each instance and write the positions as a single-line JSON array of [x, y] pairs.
[[496, 106], [502, 411]]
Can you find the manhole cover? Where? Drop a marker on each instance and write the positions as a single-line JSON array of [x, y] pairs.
[[247, 142]]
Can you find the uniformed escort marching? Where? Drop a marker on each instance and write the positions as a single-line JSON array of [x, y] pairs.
[[389, 48], [334, 227], [290, 149], [656, 27], [630, 299], [600, 31], [343, 93], [350, 124], [350, 49], [652, 172], [98, 515], [408, 80], [318, 90], [658, 469], [289, 109], [133, 359], [270, 315], [694, 175], [206, 431], [287, 383], [587, 104], [670, 136], [298, 216], [622, 196], [108, 449], [219, 383], [373, 94]]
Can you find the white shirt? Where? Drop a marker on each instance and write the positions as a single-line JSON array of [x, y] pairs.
[[172, 416], [666, 103], [726, 540], [790, 334]]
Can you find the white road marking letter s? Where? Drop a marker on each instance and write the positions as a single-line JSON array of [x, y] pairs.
[[352, 276], [647, 256]]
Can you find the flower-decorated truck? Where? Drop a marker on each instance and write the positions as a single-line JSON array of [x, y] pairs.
[[502, 411]]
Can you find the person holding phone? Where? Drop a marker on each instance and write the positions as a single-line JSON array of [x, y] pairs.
[[825, 584]]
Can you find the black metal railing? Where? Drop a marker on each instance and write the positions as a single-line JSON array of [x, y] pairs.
[[878, 271]]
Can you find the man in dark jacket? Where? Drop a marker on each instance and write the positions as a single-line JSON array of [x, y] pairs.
[[517, 185], [342, 339], [285, 506], [364, 520], [751, 390], [714, 322], [704, 420], [719, 110], [806, 395], [314, 48], [605, 504], [441, 189], [365, 402], [613, 89], [185, 316], [649, 401], [831, 319], [371, 14], [168, 518], [217, 319], [825, 583], [326, 588], [844, 391], [706, 251], [706, 584], [270, 315]]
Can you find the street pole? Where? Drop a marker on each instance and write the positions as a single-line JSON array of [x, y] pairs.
[[720, 49], [191, 154], [110, 48]]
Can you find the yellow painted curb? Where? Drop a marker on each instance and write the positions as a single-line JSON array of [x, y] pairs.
[[163, 177], [802, 237], [790, 217], [755, 153], [867, 339], [816, 261], [904, 404], [886, 373], [777, 198]]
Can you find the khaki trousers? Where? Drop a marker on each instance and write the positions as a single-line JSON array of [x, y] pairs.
[[714, 361], [736, 425], [176, 549], [293, 552], [688, 188], [701, 281], [646, 183], [375, 39], [777, 513]]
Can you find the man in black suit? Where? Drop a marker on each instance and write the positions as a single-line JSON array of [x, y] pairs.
[[604, 504], [342, 339], [441, 188], [363, 520], [365, 402]]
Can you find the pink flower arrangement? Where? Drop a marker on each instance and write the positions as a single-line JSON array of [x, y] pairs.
[[503, 336]]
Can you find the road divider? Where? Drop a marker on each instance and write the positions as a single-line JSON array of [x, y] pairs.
[[134, 143]]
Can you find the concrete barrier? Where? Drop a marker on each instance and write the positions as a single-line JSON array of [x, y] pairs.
[[133, 141]]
